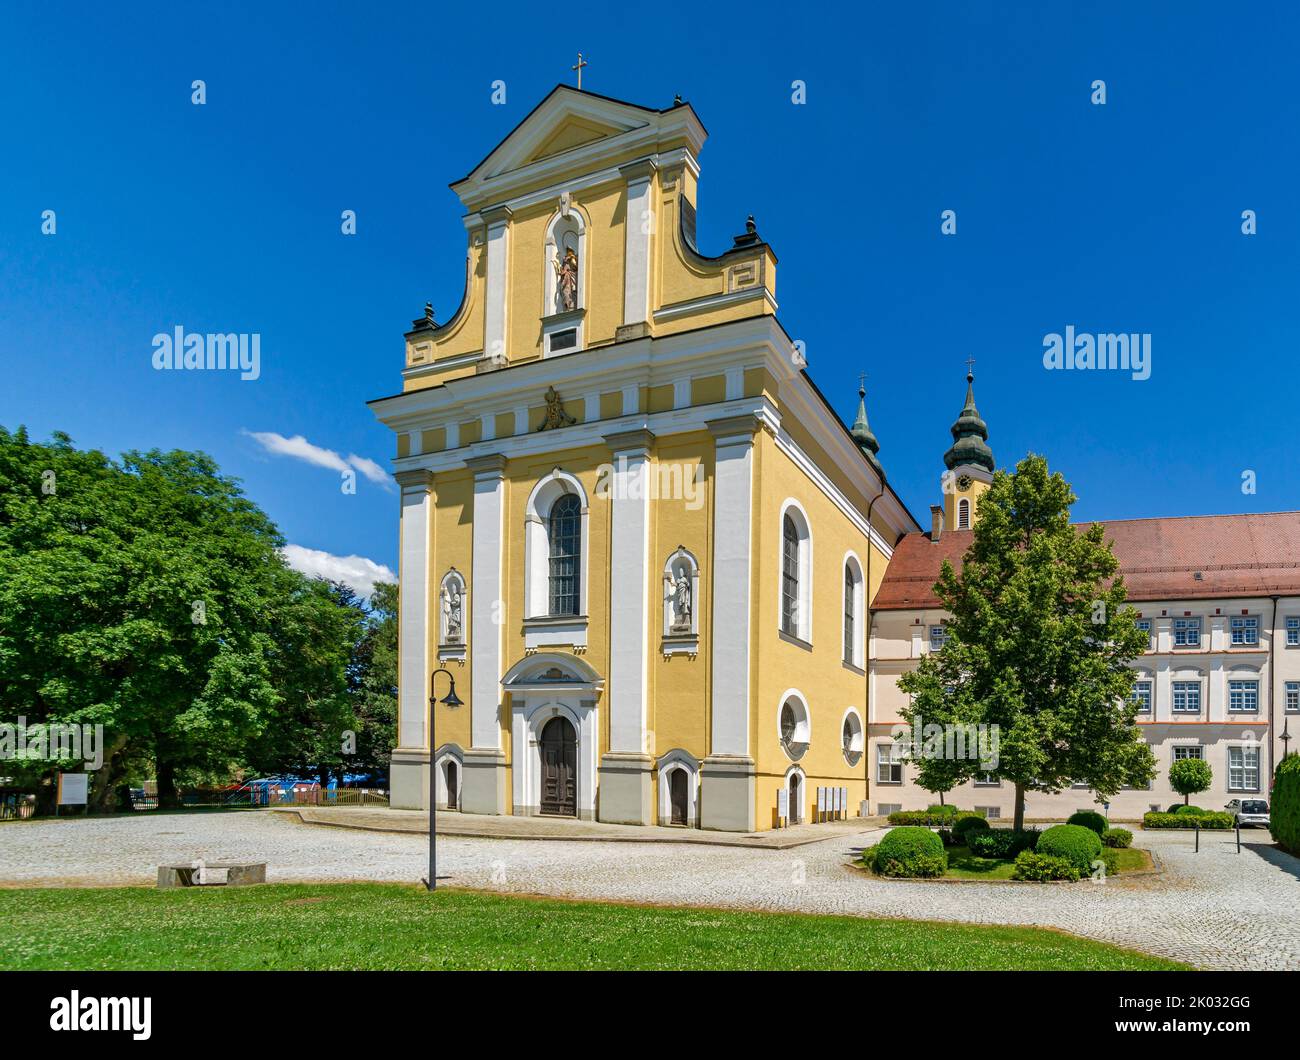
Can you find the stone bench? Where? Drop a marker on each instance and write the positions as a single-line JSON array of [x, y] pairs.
[[214, 874]]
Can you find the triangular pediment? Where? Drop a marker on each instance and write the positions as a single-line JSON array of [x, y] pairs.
[[573, 131], [572, 127]]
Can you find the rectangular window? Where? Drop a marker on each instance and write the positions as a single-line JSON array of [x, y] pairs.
[[889, 764], [1293, 696], [1243, 696], [938, 636], [1144, 624], [790, 578], [1245, 630], [1293, 631], [1187, 697], [987, 780], [1243, 769], [991, 813], [1141, 695], [1188, 751], [1187, 632]]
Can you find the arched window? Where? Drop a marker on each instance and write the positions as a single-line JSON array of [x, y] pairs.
[[564, 535], [789, 577], [796, 573], [853, 601], [963, 514]]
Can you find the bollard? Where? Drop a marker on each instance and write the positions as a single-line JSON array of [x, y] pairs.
[[1197, 829], [1238, 836]]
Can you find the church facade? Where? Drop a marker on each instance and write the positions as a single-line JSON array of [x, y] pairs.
[[631, 526], [670, 585]]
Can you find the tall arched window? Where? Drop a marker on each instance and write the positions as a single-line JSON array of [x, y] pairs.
[[854, 601], [564, 533], [789, 577], [963, 514]]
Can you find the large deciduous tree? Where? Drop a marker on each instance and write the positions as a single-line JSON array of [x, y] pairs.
[[1038, 645], [149, 596]]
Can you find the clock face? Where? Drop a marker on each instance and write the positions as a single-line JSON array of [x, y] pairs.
[[963, 483]]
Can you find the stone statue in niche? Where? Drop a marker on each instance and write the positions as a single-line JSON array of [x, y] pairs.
[[566, 279], [680, 601], [453, 614]]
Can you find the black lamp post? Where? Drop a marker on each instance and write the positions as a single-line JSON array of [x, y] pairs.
[[451, 700], [1285, 737]]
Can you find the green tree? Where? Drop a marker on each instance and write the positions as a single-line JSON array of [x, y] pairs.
[[1038, 645], [148, 595], [1190, 776], [373, 680]]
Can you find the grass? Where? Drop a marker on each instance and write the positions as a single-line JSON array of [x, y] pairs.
[[396, 926]]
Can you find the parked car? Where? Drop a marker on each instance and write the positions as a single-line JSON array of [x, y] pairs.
[[1248, 812]]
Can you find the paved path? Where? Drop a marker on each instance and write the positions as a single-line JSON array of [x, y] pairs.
[[1215, 908], [484, 826]]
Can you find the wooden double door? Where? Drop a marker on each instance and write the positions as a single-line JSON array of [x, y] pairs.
[[559, 752]]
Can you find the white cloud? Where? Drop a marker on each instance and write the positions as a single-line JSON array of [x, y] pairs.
[[299, 448], [357, 571]]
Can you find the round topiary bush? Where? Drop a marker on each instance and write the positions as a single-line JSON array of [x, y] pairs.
[[910, 851], [1001, 842], [1078, 845], [965, 825], [1196, 810], [1089, 819], [1117, 837]]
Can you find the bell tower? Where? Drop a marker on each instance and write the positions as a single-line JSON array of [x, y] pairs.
[[968, 462]]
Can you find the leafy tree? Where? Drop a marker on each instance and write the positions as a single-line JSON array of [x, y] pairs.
[[373, 680], [1190, 776], [1038, 645], [148, 595]]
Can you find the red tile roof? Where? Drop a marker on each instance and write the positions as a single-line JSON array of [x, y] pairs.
[[1180, 558]]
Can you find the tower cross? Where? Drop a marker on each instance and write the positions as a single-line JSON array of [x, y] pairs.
[[578, 68], [862, 380], [970, 365]]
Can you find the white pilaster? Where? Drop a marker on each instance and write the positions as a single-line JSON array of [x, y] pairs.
[[639, 228], [732, 533], [496, 295], [486, 594], [413, 610], [629, 559]]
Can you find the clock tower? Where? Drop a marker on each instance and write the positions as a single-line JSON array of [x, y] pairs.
[[968, 463]]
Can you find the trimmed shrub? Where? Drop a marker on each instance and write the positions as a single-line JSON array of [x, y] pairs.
[[1089, 819], [1190, 776], [933, 819], [1110, 858], [966, 826], [911, 851], [1001, 842], [1284, 812], [946, 837], [1189, 809], [1117, 838], [1187, 820], [1078, 845], [1040, 867]]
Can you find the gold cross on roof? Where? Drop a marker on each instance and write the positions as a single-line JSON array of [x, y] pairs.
[[970, 365], [578, 67]]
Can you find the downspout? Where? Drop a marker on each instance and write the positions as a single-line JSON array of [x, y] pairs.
[[1272, 682]]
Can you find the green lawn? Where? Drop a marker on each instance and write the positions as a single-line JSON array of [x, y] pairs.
[[964, 865], [385, 926]]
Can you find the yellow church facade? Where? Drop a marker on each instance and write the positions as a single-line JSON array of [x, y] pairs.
[[632, 529]]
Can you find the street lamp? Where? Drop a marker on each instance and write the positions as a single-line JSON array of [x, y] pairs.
[[453, 701]]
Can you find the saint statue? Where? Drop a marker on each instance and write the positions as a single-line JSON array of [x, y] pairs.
[[451, 609], [681, 601], [566, 279]]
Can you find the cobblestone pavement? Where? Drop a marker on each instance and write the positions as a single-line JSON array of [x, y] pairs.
[[1215, 908]]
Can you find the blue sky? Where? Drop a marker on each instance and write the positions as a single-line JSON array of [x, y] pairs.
[[226, 217]]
